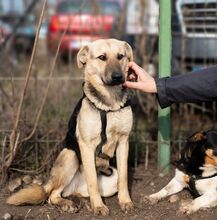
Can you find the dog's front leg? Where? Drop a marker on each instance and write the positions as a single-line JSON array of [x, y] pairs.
[[207, 200], [122, 160], [174, 186], [88, 161]]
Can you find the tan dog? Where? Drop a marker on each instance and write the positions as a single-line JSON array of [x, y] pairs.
[[99, 126]]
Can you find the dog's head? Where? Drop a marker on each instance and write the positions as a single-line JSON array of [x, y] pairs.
[[200, 151], [106, 61]]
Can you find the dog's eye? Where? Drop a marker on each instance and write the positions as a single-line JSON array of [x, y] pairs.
[[120, 56], [102, 57]]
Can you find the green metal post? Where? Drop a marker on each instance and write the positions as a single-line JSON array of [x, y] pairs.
[[164, 70]]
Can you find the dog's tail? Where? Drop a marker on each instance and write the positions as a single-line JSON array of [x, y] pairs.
[[32, 195]]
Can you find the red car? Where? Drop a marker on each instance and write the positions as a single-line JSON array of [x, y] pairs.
[[84, 21]]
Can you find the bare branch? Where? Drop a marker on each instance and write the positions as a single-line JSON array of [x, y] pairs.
[[47, 89], [30, 67], [13, 146]]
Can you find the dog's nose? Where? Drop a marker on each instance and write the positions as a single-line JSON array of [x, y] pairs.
[[117, 77]]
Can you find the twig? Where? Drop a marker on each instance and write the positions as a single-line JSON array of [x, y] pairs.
[[3, 154], [12, 146], [12, 153], [47, 89], [30, 67], [27, 213], [16, 144], [3, 148], [146, 156], [162, 215], [13, 93], [30, 148], [41, 168]]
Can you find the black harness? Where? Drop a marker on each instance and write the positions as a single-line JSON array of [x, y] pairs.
[[71, 142], [192, 183], [103, 116]]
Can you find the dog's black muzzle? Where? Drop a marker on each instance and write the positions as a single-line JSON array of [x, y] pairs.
[[117, 78]]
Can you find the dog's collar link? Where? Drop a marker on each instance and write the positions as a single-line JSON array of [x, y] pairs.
[[192, 183], [102, 103], [126, 104]]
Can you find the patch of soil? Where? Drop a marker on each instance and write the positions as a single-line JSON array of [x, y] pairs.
[[142, 182]]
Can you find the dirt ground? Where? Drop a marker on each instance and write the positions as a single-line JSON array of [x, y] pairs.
[[142, 182]]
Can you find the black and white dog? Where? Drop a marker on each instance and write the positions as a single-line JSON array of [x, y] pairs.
[[196, 170]]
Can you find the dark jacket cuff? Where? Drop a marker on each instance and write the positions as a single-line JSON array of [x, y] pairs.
[[161, 93]]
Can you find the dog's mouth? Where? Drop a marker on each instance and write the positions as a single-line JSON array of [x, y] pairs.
[[117, 82], [114, 81]]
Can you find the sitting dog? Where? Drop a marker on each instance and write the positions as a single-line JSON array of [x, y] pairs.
[[99, 127], [196, 170]]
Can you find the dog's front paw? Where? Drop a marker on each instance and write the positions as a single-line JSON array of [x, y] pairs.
[[101, 210], [186, 207], [149, 200], [126, 206]]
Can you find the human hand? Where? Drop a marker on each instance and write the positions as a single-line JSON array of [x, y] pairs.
[[144, 81]]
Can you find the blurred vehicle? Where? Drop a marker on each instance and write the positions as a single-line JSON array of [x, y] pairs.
[[5, 30], [141, 18], [10, 13], [84, 21], [195, 28], [25, 35], [142, 29]]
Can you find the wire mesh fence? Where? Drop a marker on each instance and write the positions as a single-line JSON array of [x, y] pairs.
[[194, 46]]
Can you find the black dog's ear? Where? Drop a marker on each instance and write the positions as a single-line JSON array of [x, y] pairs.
[[82, 56], [198, 136], [212, 141]]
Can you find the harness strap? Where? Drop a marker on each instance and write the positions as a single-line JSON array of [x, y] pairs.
[[192, 186], [103, 116], [99, 153], [192, 183]]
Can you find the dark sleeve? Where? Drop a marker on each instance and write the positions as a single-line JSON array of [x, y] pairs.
[[191, 87]]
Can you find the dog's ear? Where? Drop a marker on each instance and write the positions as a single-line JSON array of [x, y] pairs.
[[129, 51], [198, 136], [82, 56], [209, 152]]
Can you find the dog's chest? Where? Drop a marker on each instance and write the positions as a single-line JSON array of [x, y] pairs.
[[89, 124], [204, 185], [119, 122]]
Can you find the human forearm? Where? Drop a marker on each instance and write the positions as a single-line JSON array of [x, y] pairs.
[[191, 87]]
